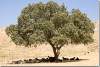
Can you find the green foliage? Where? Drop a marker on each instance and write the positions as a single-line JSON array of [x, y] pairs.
[[84, 26], [12, 31], [52, 23]]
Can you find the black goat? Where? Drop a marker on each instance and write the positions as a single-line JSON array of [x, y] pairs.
[[51, 59], [72, 58], [77, 58]]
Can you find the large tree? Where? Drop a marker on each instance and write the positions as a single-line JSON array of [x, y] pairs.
[[51, 23]]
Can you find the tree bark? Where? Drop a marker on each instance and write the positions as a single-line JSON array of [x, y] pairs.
[[56, 53]]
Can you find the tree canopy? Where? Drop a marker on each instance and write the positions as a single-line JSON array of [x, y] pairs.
[[51, 23]]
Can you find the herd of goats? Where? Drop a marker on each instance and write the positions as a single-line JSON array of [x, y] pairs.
[[48, 59]]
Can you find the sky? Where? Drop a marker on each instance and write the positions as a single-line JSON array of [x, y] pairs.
[[11, 9]]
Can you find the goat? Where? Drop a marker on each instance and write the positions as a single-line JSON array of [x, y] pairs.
[[77, 58], [72, 58]]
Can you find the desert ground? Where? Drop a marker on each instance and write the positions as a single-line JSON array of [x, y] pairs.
[[10, 52]]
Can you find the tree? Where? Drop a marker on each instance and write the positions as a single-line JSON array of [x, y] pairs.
[[51, 23]]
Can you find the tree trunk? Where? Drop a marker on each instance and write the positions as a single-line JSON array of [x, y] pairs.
[[56, 53]]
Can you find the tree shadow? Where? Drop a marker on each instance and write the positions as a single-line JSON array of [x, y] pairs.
[[48, 60], [76, 60]]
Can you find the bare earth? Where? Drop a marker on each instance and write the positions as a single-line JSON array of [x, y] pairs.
[[9, 52]]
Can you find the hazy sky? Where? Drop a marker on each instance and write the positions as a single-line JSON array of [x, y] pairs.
[[10, 9]]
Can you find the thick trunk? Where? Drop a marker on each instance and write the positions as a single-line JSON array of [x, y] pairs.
[[56, 53]]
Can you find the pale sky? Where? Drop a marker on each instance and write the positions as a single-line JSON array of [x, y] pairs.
[[10, 9]]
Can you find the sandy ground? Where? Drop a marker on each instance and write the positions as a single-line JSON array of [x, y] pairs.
[[9, 52]]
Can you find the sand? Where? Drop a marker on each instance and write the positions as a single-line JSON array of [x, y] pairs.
[[9, 52]]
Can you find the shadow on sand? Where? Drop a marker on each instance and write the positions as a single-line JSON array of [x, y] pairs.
[[48, 60]]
